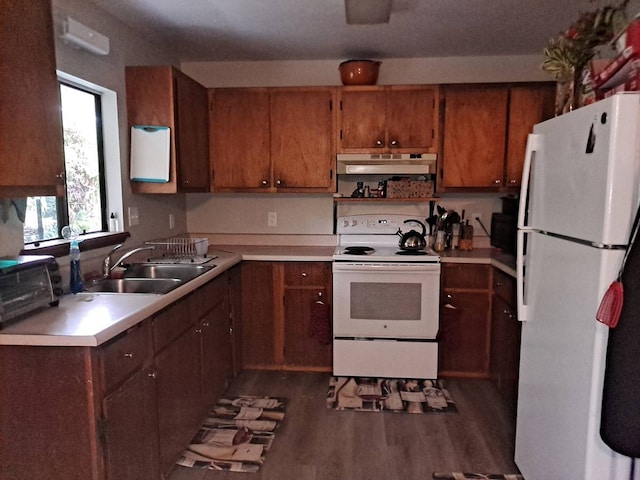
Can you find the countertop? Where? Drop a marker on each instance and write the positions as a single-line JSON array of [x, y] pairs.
[[91, 319]]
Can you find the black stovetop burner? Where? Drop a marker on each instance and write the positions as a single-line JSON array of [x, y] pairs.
[[411, 252], [358, 250]]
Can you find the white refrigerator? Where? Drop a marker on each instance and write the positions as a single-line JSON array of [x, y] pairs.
[[578, 200]]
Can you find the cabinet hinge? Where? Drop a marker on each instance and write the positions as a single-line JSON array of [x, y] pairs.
[[433, 134], [330, 105], [331, 174], [340, 104], [340, 134]]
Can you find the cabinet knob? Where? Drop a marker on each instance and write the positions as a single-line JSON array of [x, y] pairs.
[[60, 176], [128, 355], [152, 375], [513, 181], [394, 143], [304, 274], [379, 143], [198, 330], [497, 181], [205, 324], [185, 182], [265, 183], [278, 182]]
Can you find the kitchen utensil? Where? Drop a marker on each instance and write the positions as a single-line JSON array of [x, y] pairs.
[[440, 242], [611, 304], [412, 240], [359, 72]]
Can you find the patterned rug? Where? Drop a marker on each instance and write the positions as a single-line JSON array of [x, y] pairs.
[[236, 435], [476, 476], [389, 395]]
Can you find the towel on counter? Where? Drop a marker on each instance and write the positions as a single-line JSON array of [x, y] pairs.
[[320, 324]]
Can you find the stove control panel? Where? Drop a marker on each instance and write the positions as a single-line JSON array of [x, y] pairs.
[[385, 224]]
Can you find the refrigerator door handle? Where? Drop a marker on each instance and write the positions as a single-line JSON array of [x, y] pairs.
[[520, 257], [533, 144]]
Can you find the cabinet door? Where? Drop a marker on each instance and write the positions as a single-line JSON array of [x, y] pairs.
[[216, 353], [304, 284], [239, 132], [362, 119], [31, 151], [258, 314], [527, 106], [131, 430], [464, 320], [302, 150], [179, 396], [475, 129], [192, 135], [464, 334], [411, 120], [300, 349]]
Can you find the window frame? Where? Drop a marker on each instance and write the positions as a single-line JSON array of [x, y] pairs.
[[112, 176]]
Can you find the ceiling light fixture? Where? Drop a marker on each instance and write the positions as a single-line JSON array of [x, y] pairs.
[[367, 12]]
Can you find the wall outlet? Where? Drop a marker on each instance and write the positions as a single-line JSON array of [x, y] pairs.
[[134, 216], [172, 221], [272, 219]]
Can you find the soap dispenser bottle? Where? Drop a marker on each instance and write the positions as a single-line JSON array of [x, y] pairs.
[[75, 274]]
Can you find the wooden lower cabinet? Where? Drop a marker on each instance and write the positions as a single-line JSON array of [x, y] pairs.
[[179, 396], [465, 309], [505, 339], [277, 299], [121, 411], [131, 429]]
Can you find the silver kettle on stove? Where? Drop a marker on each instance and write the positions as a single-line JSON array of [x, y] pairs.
[[412, 240]]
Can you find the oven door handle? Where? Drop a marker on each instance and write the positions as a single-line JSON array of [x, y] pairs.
[[386, 267]]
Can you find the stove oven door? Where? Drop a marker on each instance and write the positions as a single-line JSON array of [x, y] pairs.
[[386, 300]]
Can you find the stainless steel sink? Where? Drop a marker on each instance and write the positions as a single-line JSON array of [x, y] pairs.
[[134, 285], [183, 272]]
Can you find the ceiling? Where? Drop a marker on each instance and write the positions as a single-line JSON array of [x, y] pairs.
[[247, 30]]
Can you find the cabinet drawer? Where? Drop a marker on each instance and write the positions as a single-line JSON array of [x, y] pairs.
[[125, 354], [205, 298], [465, 275], [306, 273], [171, 323], [504, 286]]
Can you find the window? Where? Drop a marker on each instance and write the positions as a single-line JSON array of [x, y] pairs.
[[84, 205]]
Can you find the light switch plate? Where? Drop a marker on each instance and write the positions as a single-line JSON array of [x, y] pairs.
[[134, 216]]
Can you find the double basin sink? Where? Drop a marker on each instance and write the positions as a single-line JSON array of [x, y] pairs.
[[149, 278]]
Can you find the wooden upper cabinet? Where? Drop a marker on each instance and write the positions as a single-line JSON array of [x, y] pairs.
[[527, 106], [475, 129], [239, 131], [192, 136], [273, 140], [302, 151], [164, 96], [31, 147], [389, 119], [485, 133]]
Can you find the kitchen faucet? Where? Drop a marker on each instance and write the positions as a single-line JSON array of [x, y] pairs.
[[107, 268]]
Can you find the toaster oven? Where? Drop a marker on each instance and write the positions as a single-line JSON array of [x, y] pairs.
[[27, 283]]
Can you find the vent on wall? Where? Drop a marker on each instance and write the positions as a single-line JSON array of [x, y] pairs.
[[79, 35]]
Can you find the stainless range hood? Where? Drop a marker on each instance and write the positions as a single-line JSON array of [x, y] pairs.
[[386, 163]]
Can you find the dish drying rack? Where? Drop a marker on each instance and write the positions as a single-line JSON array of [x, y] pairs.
[[180, 250]]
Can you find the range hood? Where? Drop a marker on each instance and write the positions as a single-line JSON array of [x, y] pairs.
[[386, 163]]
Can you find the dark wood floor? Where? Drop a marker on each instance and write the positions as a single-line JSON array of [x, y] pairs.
[[315, 443]]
